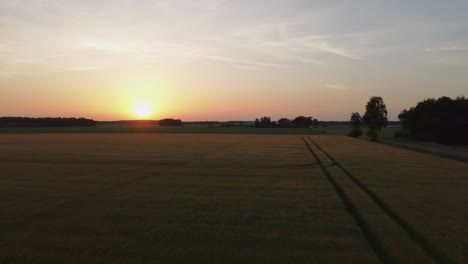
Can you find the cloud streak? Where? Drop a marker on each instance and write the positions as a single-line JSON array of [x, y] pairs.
[[336, 87], [447, 48]]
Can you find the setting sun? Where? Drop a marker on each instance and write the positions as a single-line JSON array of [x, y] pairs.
[[143, 109]]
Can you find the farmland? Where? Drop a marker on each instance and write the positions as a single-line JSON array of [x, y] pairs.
[[199, 198]]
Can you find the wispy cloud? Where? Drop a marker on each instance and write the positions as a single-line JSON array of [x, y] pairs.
[[447, 48], [245, 67], [237, 61], [325, 47], [310, 46], [160, 33], [336, 87]]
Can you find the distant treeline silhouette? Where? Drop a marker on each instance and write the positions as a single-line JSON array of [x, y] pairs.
[[298, 122], [162, 122], [442, 120], [170, 122], [45, 122], [128, 122]]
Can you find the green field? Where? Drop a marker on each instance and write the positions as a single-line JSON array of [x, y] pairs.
[[213, 198]]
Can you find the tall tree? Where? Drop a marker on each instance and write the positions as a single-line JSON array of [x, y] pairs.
[[355, 124], [375, 117]]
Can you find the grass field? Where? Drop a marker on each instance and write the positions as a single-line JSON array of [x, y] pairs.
[[211, 198]]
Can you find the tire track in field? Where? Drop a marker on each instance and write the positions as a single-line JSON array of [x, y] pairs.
[[407, 230], [85, 198], [369, 235]]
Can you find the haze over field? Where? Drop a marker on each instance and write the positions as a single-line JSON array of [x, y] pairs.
[[224, 60]]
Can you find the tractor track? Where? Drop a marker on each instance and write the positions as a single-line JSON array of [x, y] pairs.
[[371, 235]]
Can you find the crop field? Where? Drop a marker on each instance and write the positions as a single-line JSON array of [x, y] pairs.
[[214, 198]]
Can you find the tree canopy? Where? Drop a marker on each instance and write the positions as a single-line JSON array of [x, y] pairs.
[[284, 122], [302, 121], [375, 117], [263, 122], [442, 120], [355, 124]]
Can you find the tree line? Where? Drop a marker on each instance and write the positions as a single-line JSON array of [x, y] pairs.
[[298, 122], [78, 122], [46, 122], [443, 120], [170, 122]]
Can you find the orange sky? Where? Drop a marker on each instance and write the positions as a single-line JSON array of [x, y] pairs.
[[227, 60]]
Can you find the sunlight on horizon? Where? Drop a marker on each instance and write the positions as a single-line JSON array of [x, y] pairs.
[[143, 109]]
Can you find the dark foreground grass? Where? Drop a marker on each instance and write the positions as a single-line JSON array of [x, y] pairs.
[[159, 198], [159, 129]]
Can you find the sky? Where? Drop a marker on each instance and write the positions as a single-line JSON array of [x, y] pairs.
[[228, 59]]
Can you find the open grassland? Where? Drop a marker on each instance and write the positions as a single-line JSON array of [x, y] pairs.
[[206, 198], [170, 198]]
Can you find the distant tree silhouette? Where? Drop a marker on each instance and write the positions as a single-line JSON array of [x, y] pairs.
[[444, 120], [45, 122], [355, 124], [375, 117], [170, 122], [302, 121], [298, 122], [265, 122], [284, 122], [257, 122]]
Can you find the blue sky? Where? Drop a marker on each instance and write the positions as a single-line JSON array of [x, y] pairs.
[[203, 59]]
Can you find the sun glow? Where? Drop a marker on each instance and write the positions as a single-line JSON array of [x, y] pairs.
[[143, 109]]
